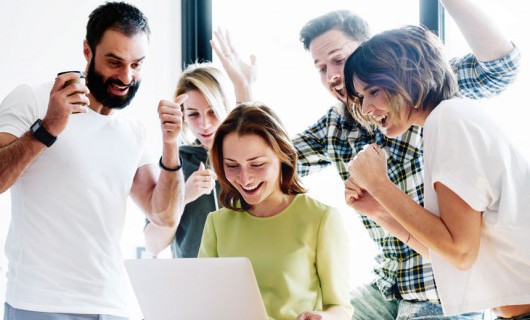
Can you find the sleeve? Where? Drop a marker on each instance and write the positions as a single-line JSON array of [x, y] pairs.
[[456, 153], [18, 111], [333, 262], [208, 248], [148, 154], [311, 146], [483, 79]]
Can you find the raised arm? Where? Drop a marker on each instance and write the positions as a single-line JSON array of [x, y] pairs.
[[485, 39], [17, 154], [163, 200], [494, 63], [241, 73]]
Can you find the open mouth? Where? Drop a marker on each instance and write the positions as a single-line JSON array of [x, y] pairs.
[[341, 92], [381, 120], [118, 90], [251, 190]]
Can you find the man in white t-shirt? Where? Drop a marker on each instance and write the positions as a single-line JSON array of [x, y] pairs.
[[71, 162]]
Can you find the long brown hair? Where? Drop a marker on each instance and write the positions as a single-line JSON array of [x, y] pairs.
[[258, 119]]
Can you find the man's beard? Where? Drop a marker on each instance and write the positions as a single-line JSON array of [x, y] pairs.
[[99, 89]]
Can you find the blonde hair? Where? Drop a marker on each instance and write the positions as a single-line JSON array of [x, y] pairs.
[[212, 84]]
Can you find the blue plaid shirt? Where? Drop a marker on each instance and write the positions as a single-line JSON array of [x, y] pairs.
[[400, 273]]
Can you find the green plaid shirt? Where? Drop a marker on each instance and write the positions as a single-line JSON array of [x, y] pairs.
[[400, 273]]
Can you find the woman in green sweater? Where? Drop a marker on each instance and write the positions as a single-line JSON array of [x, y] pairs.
[[297, 245]]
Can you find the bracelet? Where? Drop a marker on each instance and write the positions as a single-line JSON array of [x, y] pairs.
[[162, 166], [406, 242]]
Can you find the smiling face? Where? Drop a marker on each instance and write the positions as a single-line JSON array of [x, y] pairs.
[[253, 169], [376, 105], [200, 118], [330, 51], [114, 70]]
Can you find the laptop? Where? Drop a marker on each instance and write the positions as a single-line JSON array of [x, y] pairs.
[[201, 288]]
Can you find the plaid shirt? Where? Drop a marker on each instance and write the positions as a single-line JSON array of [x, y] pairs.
[[401, 273]]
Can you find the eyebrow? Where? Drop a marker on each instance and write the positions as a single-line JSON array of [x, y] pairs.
[[112, 55], [330, 53], [251, 159]]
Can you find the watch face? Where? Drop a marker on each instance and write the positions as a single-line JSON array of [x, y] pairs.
[[36, 125]]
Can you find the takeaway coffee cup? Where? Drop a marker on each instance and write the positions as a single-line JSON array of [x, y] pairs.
[[81, 79]]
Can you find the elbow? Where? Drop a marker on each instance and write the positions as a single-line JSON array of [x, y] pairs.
[[165, 221], [464, 261], [152, 248]]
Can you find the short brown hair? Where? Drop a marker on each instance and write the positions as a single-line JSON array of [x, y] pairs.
[[247, 119], [346, 21], [408, 64]]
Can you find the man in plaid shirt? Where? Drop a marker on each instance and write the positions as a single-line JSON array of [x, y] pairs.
[[404, 287]]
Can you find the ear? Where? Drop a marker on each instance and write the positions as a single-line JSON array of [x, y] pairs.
[[87, 52]]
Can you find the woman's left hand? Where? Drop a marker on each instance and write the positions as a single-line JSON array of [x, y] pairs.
[[369, 167]]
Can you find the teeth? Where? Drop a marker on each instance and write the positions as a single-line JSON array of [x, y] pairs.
[[251, 188], [379, 118]]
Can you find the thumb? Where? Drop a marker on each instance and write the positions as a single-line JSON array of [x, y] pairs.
[[201, 166]]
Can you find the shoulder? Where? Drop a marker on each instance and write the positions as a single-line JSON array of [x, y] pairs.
[[314, 207], [455, 109]]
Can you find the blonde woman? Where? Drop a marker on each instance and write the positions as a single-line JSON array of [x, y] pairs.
[[207, 105]]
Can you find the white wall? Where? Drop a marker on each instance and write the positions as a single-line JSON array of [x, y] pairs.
[[40, 38]]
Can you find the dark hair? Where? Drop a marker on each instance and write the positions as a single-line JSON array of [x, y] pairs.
[[408, 64], [120, 16], [260, 120], [346, 21]]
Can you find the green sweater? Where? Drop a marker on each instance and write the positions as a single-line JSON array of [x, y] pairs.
[[300, 256]]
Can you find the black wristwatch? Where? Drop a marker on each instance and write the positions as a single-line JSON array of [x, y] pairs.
[[40, 133]]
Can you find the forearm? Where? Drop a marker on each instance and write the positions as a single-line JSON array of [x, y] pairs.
[[158, 238], [16, 157], [390, 224], [243, 92], [167, 200], [424, 226], [480, 32]]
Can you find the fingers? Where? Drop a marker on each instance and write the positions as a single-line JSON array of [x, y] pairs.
[[201, 166], [229, 42], [225, 49], [217, 50], [181, 99]]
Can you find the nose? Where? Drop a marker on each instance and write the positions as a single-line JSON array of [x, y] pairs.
[[245, 177], [126, 75], [333, 74], [366, 107], [205, 122]]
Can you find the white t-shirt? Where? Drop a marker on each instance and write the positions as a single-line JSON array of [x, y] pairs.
[[467, 152], [68, 210]]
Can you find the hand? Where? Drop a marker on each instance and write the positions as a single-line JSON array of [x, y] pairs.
[[63, 102], [170, 115], [368, 169], [309, 315], [240, 72], [200, 182], [361, 200]]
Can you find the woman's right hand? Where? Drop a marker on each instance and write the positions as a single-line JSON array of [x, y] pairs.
[[241, 73], [200, 182]]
